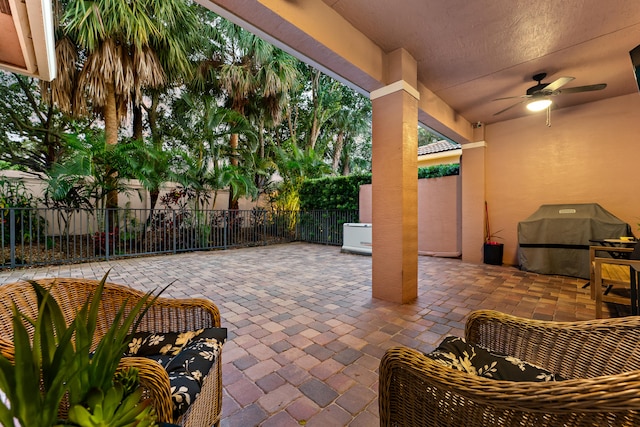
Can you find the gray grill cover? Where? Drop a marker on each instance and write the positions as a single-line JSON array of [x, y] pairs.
[[555, 239]]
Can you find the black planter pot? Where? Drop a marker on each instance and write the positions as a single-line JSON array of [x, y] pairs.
[[493, 253]]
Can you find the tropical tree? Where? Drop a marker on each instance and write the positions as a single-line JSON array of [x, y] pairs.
[[256, 78], [204, 127], [33, 135], [348, 127], [185, 40], [296, 164], [326, 100], [112, 42]]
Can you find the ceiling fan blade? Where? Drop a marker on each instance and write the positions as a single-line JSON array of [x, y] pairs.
[[512, 97], [579, 89], [509, 107], [557, 84]]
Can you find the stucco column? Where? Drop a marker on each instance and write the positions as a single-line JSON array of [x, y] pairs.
[[395, 182], [473, 198]]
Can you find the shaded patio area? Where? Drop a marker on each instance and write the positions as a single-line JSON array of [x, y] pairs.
[[305, 335]]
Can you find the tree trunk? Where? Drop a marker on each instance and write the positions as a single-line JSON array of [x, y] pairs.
[[261, 136], [152, 114], [111, 116], [314, 132], [137, 122], [111, 139], [346, 169], [233, 143], [154, 194], [292, 122], [337, 152]]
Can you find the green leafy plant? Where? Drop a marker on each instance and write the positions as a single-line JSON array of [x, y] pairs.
[[97, 369], [437, 171], [340, 192], [35, 383], [27, 223], [119, 406], [58, 361]]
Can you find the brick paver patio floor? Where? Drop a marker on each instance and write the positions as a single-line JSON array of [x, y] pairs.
[[306, 337]]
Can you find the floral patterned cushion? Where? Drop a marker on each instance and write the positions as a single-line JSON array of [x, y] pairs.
[[187, 357], [456, 353]]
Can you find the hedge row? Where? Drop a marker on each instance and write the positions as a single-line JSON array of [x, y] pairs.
[[342, 192], [339, 192], [438, 171]]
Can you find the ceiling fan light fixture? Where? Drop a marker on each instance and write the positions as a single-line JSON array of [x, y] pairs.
[[538, 104]]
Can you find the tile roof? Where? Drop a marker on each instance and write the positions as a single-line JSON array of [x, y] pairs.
[[438, 147]]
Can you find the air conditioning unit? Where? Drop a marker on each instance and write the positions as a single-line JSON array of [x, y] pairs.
[[356, 238]]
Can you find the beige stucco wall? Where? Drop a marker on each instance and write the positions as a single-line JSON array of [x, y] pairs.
[[589, 154], [135, 198], [439, 215]]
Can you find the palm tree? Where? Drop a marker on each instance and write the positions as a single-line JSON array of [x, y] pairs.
[[257, 78], [111, 41], [205, 127], [183, 45]]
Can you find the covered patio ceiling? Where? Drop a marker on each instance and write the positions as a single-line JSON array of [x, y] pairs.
[[467, 53]]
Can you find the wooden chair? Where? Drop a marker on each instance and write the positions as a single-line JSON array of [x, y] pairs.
[[599, 358], [165, 315], [609, 274]]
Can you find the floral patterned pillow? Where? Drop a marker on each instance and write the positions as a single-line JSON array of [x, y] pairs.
[[187, 357], [456, 353], [169, 343]]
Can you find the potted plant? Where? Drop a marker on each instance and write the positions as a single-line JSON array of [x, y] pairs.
[[492, 250], [56, 365]]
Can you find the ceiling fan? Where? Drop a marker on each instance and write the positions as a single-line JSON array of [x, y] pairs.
[[538, 96]]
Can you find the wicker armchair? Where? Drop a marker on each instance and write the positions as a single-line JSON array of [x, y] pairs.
[[599, 358], [165, 315]]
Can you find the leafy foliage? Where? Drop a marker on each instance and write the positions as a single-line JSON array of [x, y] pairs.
[[296, 166], [438, 171], [14, 194], [230, 103], [332, 192], [32, 136], [21, 380]]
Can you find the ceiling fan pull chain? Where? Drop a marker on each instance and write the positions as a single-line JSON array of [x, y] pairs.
[[549, 116]]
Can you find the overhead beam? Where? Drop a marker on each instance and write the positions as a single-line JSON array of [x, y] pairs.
[[27, 39], [439, 116], [313, 32]]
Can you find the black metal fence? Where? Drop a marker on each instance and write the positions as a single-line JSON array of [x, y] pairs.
[[323, 226], [31, 237]]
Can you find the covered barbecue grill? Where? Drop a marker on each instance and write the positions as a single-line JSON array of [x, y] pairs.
[[555, 239]]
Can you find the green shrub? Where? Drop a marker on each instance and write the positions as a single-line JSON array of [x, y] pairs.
[[438, 171], [28, 224], [341, 192]]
